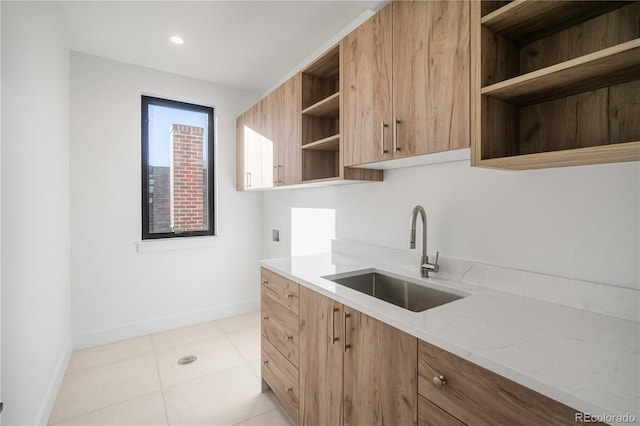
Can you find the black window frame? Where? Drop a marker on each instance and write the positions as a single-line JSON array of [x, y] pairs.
[[210, 111]]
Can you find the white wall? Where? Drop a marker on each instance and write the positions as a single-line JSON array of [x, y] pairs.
[[578, 222], [36, 338], [118, 292]]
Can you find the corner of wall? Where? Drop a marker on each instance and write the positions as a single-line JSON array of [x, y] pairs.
[[54, 385]]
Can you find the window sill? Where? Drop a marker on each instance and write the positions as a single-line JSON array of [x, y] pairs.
[[178, 243]]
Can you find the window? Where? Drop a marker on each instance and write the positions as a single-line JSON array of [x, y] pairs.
[[177, 169]]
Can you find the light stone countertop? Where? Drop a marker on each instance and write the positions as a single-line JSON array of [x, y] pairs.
[[582, 359]]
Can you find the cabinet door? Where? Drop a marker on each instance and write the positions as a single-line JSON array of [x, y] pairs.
[[241, 177], [380, 373], [430, 76], [287, 133], [321, 331], [253, 141], [366, 91], [267, 130]]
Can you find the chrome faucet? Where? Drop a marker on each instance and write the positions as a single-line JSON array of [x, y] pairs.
[[425, 266]]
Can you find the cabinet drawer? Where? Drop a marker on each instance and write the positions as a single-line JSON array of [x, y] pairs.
[[281, 376], [279, 289], [280, 327], [477, 396], [431, 415]]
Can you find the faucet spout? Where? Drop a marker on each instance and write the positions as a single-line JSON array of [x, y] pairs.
[[412, 240], [425, 266]]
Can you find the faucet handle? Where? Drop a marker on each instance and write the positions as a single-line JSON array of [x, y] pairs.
[[431, 267]]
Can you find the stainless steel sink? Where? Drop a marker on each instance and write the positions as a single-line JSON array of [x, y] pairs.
[[396, 290]]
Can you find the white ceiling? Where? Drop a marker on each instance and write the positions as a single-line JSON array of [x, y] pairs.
[[245, 44]]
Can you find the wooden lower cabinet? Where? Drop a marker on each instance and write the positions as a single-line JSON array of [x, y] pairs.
[[279, 344], [380, 373], [321, 359], [354, 370], [331, 365], [476, 396], [430, 414]]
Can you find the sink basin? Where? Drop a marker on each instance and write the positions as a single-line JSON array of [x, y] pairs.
[[396, 290]]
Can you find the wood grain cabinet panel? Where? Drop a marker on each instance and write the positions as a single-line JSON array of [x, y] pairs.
[[366, 82], [380, 369], [321, 359], [430, 414], [431, 69], [279, 303], [406, 82], [280, 289], [282, 377], [354, 369], [268, 140], [477, 396], [280, 327]]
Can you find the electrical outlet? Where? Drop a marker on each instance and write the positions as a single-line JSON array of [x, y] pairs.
[[275, 235]]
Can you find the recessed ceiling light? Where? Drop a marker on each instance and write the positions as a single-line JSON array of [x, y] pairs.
[[176, 40]]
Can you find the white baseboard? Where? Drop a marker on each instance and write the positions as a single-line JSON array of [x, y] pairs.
[[54, 386], [155, 325]]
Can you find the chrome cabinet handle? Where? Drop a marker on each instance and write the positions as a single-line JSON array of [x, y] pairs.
[[288, 389], [334, 338], [384, 151], [396, 148], [248, 179], [266, 317], [275, 175], [265, 281], [288, 295], [279, 173], [346, 345]]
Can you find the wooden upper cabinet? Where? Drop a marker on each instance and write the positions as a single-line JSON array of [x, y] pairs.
[[252, 140], [287, 132], [430, 76], [268, 140], [406, 82], [366, 81]]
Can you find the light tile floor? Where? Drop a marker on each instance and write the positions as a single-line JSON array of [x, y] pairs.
[[139, 382]]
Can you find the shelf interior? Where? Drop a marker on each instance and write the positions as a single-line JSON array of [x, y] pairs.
[[327, 107], [601, 117], [331, 143], [523, 21], [614, 65], [320, 164]]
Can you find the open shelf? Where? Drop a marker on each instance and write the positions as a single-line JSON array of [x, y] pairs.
[[554, 83], [606, 67], [629, 151], [327, 107], [523, 21], [332, 143]]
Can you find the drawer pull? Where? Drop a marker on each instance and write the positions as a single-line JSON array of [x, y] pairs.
[[346, 345], [334, 338], [439, 381], [265, 281], [289, 338], [266, 317], [289, 295], [289, 389], [265, 362]]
